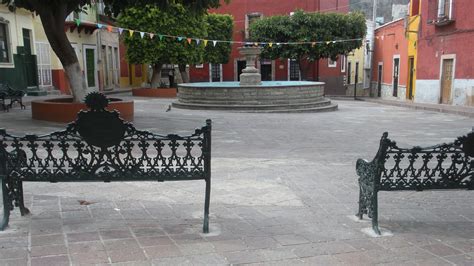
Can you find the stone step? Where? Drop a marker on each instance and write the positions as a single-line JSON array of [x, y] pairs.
[[257, 107], [266, 101]]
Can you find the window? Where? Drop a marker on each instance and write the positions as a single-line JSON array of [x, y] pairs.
[[4, 44], [216, 70], [249, 19], [444, 9], [44, 64], [343, 63], [294, 70], [332, 63]]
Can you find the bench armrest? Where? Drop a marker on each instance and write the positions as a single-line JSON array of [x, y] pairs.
[[367, 172]]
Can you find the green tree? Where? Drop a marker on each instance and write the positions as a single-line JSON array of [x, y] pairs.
[[53, 14], [219, 27], [175, 20], [317, 30]]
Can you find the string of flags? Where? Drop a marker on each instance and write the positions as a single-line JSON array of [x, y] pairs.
[[205, 42]]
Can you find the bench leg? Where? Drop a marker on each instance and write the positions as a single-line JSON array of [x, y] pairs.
[[206, 206], [374, 214], [23, 210], [6, 205], [362, 207]]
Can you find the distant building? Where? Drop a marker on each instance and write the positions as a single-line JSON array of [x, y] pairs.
[[244, 12], [389, 68], [445, 72]]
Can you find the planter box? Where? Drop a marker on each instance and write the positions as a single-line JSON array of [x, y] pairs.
[[159, 92], [63, 110]]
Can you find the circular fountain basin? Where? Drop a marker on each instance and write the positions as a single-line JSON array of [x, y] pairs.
[[270, 96]]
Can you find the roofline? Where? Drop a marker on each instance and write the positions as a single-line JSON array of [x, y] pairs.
[[390, 23]]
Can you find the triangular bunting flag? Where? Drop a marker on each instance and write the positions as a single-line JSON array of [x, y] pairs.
[[313, 44], [161, 37], [328, 42], [278, 44], [189, 40], [205, 43], [130, 32], [198, 41], [109, 28], [99, 26], [120, 30], [78, 22], [142, 34], [151, 35], [180, 39], [333, 41], [255, 43], [270, 44], [214, 42]]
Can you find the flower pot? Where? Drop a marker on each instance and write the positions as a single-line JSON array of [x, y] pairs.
[[63, 110], [158, 92]]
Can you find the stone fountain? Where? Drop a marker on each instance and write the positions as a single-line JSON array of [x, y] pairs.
[[253, 95]]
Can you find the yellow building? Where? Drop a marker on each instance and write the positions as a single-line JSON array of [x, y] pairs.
[[412, 25], [358, 66], [355, 69], [17, 51]]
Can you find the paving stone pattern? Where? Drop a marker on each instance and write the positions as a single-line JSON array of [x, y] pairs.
[[284, 192]]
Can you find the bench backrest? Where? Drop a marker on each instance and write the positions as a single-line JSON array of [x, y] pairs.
[[101, 146], [442, 166]]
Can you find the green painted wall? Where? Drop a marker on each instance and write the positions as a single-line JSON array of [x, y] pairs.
[[25, 72]]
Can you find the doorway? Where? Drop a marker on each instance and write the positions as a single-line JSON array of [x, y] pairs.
[[349, 73], [90, 54], [379, 80], [30, 71], [266, 69], [446, 80], [241, 64], [396, 72], [411, 73]]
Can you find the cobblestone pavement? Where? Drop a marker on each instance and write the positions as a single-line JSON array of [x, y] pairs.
[[284, 192]]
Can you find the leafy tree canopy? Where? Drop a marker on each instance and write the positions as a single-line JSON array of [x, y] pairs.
[[174, 20], [219, 27], [309, 27]]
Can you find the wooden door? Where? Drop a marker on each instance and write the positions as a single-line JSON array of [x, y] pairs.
[[90, 66], [379, 81], [446, 80]]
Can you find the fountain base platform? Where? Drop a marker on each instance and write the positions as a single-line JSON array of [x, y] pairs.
[[270, 96]]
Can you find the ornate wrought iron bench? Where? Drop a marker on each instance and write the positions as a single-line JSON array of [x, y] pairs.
[[100, 146], [444, 166], [8, 93]]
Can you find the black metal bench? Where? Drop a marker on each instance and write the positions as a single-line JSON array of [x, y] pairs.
[[100, 146], [444, 166], [15, 96]]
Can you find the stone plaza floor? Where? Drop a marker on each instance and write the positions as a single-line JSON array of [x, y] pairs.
[[284, 192]]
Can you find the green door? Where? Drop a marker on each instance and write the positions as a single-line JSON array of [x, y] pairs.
[[28, 60], [90, 67]]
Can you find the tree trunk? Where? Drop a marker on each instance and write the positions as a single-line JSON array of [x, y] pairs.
[[156, 76], [53, 19], [184, 74]]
